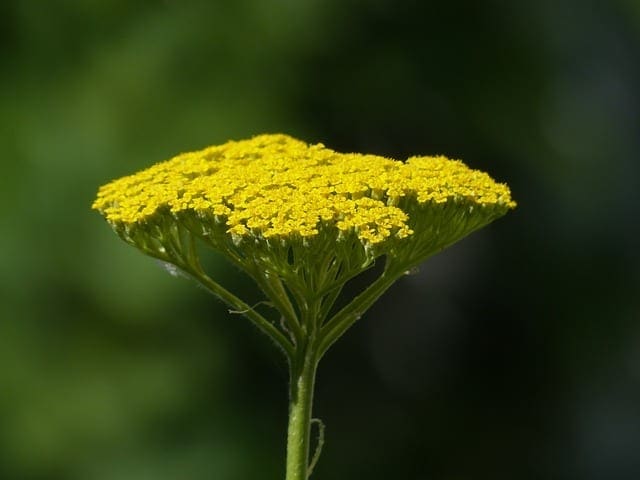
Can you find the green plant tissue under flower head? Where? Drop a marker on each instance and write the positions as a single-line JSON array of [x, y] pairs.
[[255, 197]]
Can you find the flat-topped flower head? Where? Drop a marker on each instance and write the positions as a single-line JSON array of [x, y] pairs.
[[274, 187], [307, 215]]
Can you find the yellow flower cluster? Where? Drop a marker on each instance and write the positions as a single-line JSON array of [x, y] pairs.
[[277, 186]]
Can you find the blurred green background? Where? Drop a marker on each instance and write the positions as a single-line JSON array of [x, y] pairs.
[[514, 354]]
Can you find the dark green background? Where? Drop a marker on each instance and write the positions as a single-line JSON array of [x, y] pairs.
[[513, 355]]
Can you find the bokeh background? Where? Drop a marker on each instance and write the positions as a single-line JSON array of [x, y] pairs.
[[514, 354]]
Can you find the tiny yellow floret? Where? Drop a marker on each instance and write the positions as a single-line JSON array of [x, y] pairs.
[[274, 186]]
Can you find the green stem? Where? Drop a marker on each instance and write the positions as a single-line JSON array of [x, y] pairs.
[[272, 287], [346, 317], [303, 375], [234, 302]]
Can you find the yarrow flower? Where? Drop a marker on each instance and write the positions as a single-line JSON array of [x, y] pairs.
[[276, 190], [301, 220]]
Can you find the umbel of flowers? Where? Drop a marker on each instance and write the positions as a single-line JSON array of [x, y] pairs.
[[301, 220]]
